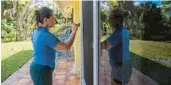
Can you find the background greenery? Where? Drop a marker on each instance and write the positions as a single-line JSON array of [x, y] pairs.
[[17, 23], [18, 19], [150, 33], [146, 21]]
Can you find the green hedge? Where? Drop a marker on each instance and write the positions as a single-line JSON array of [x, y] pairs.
[[158, 72]]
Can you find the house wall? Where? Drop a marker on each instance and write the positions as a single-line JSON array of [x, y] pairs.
[[77, 44]]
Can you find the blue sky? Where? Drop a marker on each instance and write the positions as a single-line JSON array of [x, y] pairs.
[[138, 2]]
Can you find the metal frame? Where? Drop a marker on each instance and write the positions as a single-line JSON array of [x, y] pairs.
[[87, 41], [96, 42], [82, 49]]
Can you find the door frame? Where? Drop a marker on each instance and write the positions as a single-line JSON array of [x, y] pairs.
[[96, 41], [95, 44]]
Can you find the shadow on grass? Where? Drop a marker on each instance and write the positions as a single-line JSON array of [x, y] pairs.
[[156, 71], [14, 62]]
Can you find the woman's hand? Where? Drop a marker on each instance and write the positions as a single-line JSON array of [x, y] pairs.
[[69, 42], [105, 45], [74, 27]]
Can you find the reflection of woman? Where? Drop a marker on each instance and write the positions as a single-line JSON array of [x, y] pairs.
[[45, 45], [118, 44]]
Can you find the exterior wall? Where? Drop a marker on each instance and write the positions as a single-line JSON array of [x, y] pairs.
[[77, 42], [76, 19]]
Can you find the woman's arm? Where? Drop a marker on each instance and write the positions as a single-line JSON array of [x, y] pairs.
[[105, 45], [112, 41], [61, 33], [69, 42]]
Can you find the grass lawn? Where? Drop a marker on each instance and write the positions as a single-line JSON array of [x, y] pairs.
[[159, 51], [153, 50], [14, 56], [10, 48]]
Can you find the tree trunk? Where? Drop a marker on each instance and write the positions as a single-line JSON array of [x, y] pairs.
[[17, 21]]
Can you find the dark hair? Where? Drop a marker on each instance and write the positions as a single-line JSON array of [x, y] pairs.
[[119, 13], [42, 13]]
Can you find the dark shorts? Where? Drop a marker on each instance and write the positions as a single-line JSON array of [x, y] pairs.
[[41, 75], [121, 72]]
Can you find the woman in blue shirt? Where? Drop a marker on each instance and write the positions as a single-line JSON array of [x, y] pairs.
[[45, 45], [118, 48]]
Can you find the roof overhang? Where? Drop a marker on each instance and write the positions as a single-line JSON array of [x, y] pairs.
[[65, 7]]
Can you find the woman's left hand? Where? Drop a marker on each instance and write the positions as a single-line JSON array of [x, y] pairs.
[[74, 27]]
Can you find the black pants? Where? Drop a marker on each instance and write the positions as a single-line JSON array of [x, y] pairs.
[[121, 72]]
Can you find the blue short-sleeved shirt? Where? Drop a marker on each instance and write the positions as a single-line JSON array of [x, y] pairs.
[[120, 45], [43, 44]]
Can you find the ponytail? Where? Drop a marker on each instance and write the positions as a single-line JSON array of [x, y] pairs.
[[42, 13]]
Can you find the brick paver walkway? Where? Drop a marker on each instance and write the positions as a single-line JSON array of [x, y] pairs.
[[62, 74], [137, 77]]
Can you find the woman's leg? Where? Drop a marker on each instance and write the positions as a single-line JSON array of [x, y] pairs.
[[35, 74], [115, 73], [121, 73], [41, 75]]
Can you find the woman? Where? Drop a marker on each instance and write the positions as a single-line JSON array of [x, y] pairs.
[[118, 48], [45, 45]]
